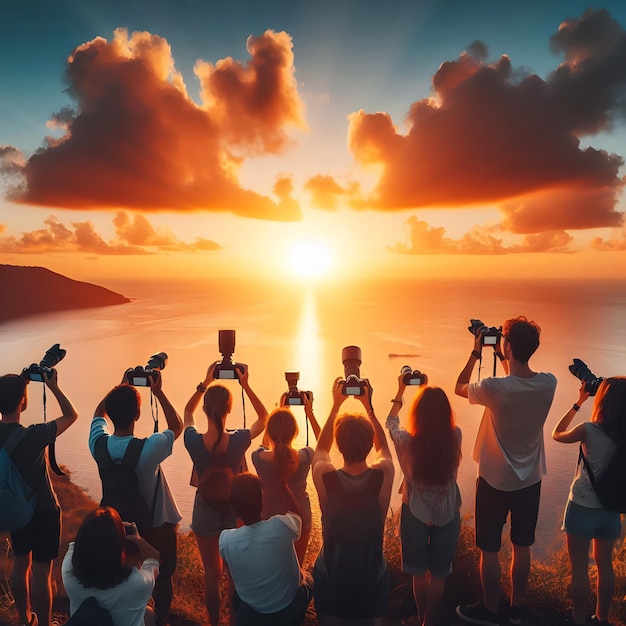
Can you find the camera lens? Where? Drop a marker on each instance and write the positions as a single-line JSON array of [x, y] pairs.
[[351, 357], [157, 361], [226, 342], [292, 377], [52, 356]]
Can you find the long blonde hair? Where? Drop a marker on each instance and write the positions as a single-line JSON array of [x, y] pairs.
[[218, 403], [281, 430]]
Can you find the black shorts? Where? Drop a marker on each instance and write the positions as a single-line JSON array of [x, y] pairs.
[[41, 536], [492, 509], [163, 539]]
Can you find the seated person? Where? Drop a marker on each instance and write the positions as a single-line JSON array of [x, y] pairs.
[[270, 587], [99, 564]]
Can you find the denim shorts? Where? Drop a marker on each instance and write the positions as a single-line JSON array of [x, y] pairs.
[[427, 548], [591, 523]]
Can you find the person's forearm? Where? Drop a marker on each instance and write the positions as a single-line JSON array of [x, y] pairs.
[[380, 439], [191, 406], [100, 411], [325, 439], [258, 406], [466, 373], [65, 404], [174, 423], [314, 423]]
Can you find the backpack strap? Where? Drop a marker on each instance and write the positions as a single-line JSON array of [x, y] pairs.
[[14, 440], [581, 456], [101, 452], [332, 482], [133, 452], [375, 482]]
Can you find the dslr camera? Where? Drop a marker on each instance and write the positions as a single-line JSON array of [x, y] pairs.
[[294, 396], [413, 377], [226, 369], [141, 376], [585, 375], [490, 334], [50, 359], [352, 384]]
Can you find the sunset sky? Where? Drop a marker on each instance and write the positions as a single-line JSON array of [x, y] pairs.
[[337, 137]]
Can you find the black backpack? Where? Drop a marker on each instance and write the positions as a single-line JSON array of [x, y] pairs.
[[609, 486], [353, 545], [90, 613], [120, 485]]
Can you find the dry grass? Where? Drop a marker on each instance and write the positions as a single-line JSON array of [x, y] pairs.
[[548, 587]]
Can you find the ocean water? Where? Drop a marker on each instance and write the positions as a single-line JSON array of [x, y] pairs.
[[283, 326]]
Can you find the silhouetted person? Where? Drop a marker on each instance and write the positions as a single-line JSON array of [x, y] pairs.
[[587, 521], [100, 563], [122, 405], [429, 453], [350, 574], [509, 450], [270, 586], [283, 470], [217, 455], [36, 545]]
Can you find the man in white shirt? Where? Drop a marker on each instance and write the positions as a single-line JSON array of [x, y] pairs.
[[270, 587], [509, 450]]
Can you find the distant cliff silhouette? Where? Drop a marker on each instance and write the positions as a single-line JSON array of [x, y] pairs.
[[32, 290]]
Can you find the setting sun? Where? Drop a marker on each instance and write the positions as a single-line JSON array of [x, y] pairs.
[[310, 259]]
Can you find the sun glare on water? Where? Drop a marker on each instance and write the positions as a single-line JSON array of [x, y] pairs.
[[310, 259]]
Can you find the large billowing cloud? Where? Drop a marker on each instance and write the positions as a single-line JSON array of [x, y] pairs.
[[134, 235], [137, 140], [491, 135], [425, 239]]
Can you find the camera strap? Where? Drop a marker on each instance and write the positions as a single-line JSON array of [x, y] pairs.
[[154, 409], [52, 457], [243, 405], [306, 422], [495, 361]]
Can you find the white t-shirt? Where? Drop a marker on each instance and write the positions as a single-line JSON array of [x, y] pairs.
[[262, 561], [125, 602], [156, 449], [509, 446], [598, 449]]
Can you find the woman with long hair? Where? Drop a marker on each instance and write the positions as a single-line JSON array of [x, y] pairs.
[[283, 470], [100, 562], [429, 453], [586, 521], [217, 454]]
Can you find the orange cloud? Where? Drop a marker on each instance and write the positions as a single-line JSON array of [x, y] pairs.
[[137, 140], [134, 235], [616, 242], [325, 192], [425, 239], [490, 134]]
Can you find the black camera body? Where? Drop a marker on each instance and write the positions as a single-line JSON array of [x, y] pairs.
[[294, 396], [52, 356], [226, 369], [141, 376], [352, 384], [413, 377], [490, 334], [585, 375]]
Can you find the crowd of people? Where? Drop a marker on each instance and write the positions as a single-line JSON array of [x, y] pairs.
[[256, 527]]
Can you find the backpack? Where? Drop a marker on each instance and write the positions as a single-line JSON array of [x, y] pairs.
[[609, 486], [120, 485], [214, 487], [353, 545], [18, 499], [90, 613]]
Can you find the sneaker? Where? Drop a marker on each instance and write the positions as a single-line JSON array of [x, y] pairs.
[[515, 614], [477, 614]]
